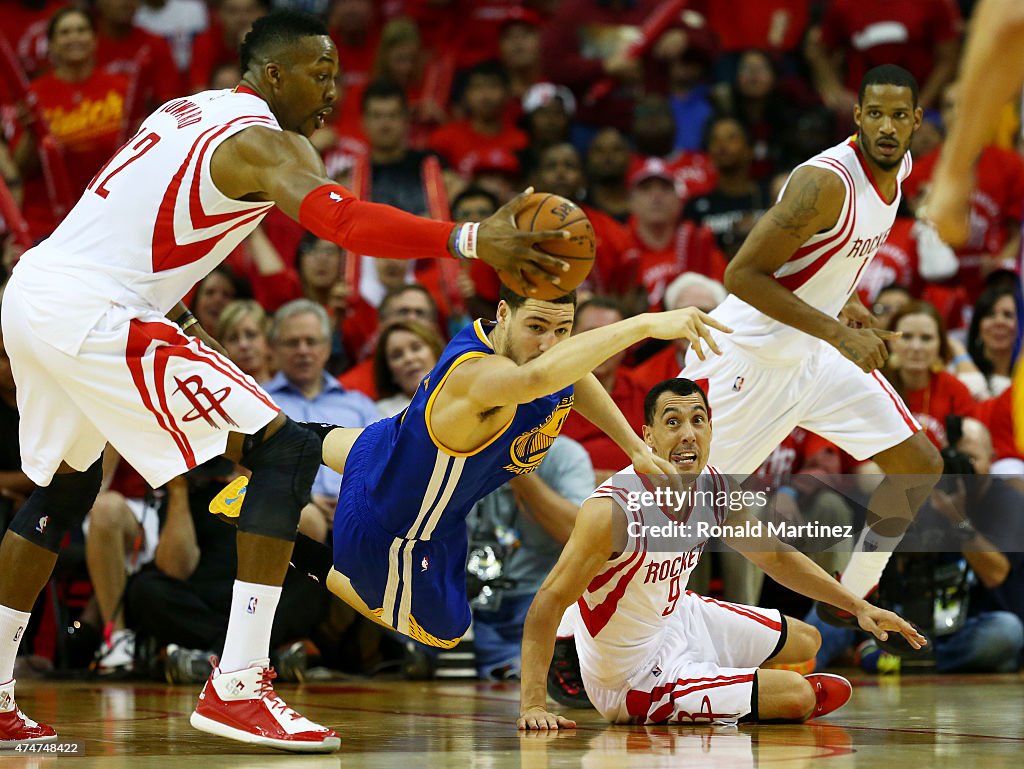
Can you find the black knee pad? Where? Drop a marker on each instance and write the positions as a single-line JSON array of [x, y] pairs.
[[49, 512], [283, 468]]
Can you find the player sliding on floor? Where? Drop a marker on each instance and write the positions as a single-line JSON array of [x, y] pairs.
[[652, 652], [486, 413]]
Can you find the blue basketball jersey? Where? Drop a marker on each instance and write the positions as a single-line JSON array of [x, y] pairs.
[[400, 525], [420, 489]]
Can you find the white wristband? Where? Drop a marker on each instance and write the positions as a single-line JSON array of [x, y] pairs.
[[465, 241]]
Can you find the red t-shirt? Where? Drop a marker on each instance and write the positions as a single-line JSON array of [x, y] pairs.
[[691, 249], [147, 61], [459, 143], [209, 51], [605, 454], [25, 30], [664, 364], [764, 24], [360, 378], [997, 204], [997, 414], [612, 240], [895, 263], [874, 32], [87, 119], [945, 394]]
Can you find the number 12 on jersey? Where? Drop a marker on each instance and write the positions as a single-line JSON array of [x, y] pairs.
[[138, 149]]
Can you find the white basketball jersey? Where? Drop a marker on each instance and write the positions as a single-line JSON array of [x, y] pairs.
[[150, 224], [625, 609], [825, 270]]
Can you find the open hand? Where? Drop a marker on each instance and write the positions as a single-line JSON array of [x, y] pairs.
[[879, 622], [539, 718]]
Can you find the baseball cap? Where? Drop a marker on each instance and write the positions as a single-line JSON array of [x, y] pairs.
[[650, 168], [541, 94]]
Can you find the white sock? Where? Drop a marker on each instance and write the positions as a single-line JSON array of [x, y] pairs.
[[252, 616], [12, 629], [868, 561]]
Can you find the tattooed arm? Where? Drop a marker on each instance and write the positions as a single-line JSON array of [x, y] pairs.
[[811, 204]]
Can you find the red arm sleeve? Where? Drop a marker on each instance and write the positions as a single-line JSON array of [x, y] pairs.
[[333, 213]]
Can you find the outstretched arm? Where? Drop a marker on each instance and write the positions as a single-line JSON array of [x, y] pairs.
[[284, 168], [495, 381], [799, 573], [587, 550], [811, 204], [991, 71]]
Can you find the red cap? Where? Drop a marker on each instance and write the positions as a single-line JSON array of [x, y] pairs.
[[650, 168]]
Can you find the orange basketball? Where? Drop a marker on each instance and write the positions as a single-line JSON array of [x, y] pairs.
[[544, 211]]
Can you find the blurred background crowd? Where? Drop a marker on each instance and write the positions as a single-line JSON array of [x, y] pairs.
[[674, 125]]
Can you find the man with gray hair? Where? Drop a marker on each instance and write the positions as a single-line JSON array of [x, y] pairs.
[[691, 289], [300, 341]]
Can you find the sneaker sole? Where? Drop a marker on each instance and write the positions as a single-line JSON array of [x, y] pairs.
[[9, 744], [208, 725]]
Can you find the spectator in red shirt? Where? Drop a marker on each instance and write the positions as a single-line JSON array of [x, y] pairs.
[[997, 206], [561, 172], [146, 59], [917, 370], [997, 414], [84, 108], [662, 247], [607, 166], [219, 43], [775, 26], [478, 283], [994, 335], [654, 133], [691, 289], [484, 95], [627, 393], [923, 37], [24, 28]]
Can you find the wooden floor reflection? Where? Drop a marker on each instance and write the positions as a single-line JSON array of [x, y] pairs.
[[934, 722]]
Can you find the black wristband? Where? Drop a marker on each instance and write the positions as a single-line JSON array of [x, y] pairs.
[[183, 318]]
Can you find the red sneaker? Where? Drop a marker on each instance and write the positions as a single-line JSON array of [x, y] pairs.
[[831, 692], [243, 706], [15, 727]]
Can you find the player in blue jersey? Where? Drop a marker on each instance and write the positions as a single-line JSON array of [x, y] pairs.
[[487, 412]]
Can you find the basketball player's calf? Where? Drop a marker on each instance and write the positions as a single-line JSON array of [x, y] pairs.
[[30, 551], [785, 695], [238, 700], [912, 468]]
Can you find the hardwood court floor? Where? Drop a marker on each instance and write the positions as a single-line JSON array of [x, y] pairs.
[[910, 722]]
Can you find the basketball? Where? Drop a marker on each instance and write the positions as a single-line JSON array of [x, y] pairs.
[[543, 211]]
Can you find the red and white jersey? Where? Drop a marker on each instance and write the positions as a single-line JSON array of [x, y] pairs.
[[150, 224], [824, 272], [626, 608]]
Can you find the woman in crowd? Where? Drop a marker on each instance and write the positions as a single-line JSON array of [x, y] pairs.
[[214, 292], [992, 337], [406, 352], [243, 330], [917, 369]]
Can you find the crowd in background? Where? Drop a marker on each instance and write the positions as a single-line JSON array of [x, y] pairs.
[[674, 137]]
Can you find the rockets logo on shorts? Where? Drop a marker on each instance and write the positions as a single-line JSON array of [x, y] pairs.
[[193, 389]]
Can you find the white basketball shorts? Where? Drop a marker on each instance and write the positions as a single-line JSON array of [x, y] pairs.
[[756, 403], [164, 400], [703, 670]]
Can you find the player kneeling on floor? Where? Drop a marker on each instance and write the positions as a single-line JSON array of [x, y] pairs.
[[652, 652]]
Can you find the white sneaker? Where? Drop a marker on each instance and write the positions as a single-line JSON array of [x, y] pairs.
[[243, 706], [117, 656]]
